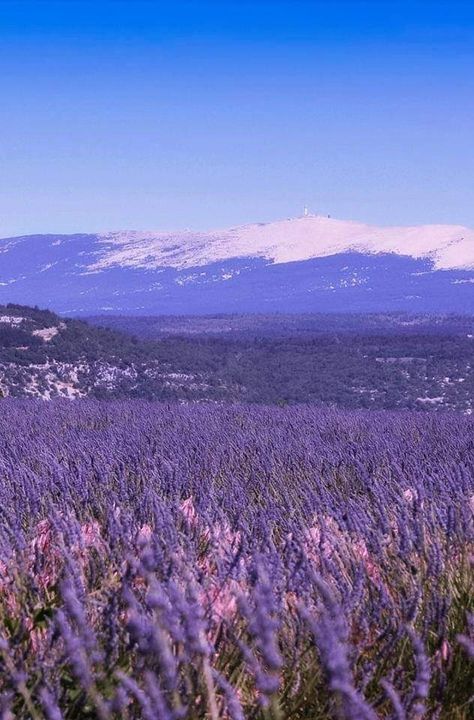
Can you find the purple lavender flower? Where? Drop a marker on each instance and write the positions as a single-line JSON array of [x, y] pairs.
[[331, 637], [394, 698], [421, 684], [50, 706], [76, 652], [233, 705], [467, 641], [147, 711]]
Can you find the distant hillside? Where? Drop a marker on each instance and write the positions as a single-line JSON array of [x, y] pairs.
[[45, 356], [298, 265], [305, 325]]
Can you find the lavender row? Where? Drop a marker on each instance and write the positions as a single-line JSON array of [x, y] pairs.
[[176, 561]]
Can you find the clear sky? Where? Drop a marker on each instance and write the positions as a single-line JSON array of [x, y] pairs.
[[142, 114]]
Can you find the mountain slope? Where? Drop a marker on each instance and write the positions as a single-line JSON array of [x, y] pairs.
[[303, 264], [293, 240]]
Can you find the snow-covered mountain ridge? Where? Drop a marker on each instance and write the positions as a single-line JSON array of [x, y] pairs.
[[306, 264], [283, 241]]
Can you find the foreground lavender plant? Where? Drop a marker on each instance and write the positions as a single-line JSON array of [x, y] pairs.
[[232, 562]]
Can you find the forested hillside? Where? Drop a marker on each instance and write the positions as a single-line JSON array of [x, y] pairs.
[[425, 365]]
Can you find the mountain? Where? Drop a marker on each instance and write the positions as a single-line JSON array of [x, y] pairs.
[[304, 264], [428, 364]]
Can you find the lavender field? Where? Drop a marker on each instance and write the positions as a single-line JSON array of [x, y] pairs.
[[230, 562]]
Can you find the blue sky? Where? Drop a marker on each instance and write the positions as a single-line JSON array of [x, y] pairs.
[[149, 114]]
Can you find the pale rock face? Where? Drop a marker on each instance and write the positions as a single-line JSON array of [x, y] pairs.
[[11, 319], [283, 241], [47, 334]]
